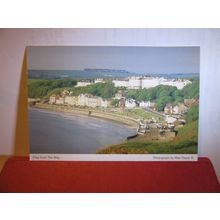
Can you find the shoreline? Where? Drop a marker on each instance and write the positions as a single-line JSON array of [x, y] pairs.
[[107, 116], [120, 119]]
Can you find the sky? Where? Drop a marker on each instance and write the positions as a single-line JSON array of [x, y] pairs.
[[133, 59]]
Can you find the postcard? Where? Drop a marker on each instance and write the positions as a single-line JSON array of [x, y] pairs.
[[114, 103]]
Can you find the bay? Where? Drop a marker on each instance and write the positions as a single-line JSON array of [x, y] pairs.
[[61, 133]]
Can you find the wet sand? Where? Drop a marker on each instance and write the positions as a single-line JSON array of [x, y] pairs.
[[121, 119], [64, 133]]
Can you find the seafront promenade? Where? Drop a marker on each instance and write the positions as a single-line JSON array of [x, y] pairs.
[[119, 118]]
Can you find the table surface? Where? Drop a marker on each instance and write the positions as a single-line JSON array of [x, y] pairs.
[[21, 175], [3, 159]]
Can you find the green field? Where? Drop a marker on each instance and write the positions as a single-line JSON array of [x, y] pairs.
[[141, 113]]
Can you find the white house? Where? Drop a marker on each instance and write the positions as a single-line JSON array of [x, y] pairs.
[[130, 103], [93, 101], [135, 83], [147, 104], [99, 80], [81, 100], [52, 99], [121, 83], [83, 84], [71, 100], [170, 121]]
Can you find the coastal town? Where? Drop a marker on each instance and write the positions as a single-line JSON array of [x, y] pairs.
[[138, 82], [165, 121], [114, 100]]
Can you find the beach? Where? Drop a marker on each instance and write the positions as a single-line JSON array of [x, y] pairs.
[[92, 112], [67, 133]]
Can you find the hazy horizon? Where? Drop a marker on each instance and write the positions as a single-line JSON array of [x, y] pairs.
[[143, 60]]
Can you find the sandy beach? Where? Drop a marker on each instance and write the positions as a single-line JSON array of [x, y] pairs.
[[68, 133], [121, 119]]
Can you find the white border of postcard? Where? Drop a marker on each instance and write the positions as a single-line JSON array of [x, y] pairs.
[[113, 157]]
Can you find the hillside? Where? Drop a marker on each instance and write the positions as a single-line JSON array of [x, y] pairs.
[[184, 143]]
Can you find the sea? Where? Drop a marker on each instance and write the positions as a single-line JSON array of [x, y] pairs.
[[62, 133], [85, 74]]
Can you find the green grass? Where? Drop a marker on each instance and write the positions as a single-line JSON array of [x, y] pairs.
[[188, 132], [183, 147], [184, 143], [141, 113]]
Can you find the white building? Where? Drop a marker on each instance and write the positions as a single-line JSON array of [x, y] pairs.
[[135, 83], [92, 101], [82, 100], [149, 82], [147, 104], [105, 103], [99, 80], [121, 83], [71, 100], [60, 101], [130, 103], [52, 99], [89, 100], [180, 84], [83, 84], [170, 120]]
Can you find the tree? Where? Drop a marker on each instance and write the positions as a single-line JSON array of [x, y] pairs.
[[163, 90], [191, 90], [178, 99], [41, 88], [104, 90], [131, 94], [162, 101]]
